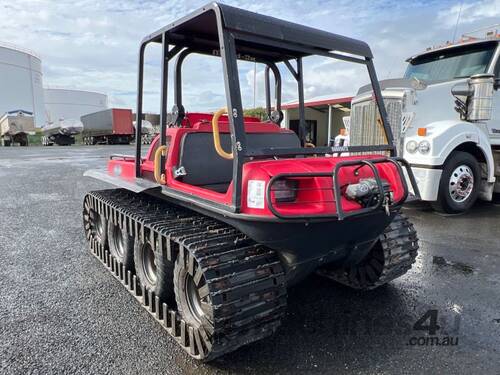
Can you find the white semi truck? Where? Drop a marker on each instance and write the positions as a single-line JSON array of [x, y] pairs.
[[445, 118]]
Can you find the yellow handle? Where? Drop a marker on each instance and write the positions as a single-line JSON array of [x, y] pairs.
[[160, 177], [215, 128]]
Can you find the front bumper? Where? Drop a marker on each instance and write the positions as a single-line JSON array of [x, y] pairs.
[[427, 181]]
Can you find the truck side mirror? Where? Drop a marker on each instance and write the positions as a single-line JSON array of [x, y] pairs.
[[461, 90], [496, 85]]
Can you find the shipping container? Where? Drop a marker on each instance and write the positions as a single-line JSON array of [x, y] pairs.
[[111, 126]]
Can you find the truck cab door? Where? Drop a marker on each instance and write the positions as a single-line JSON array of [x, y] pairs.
[[494, 123]]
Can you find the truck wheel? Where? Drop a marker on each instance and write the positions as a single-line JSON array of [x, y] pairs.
[[459, 184], [7, 142], [121, 245], [153, 269]]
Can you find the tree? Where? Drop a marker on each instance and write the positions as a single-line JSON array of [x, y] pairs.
[[259, 112]]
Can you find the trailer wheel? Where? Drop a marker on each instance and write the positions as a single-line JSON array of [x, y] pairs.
[[121, 245], [153, 269], [459, 184]]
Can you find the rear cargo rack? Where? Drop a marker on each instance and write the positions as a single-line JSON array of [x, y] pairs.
[[340, 213]]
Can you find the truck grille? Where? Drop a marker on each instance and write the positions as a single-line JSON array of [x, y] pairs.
[[364, 129]]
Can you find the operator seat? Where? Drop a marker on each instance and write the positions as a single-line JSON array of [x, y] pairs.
[[205, 168]]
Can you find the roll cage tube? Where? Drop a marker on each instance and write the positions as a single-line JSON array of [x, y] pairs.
[[275, 116], [179, 111], [296, 42], [138, 122]]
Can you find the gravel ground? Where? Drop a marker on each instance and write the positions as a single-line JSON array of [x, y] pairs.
[[61, 312]]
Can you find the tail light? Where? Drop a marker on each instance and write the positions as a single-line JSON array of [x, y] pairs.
[[285, 190]]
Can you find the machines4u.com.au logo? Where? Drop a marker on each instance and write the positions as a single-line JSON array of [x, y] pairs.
[[434, 329]]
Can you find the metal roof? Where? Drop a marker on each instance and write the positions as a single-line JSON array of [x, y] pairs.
[[255, 34], [323, 100], [61, 88], [16, 48]]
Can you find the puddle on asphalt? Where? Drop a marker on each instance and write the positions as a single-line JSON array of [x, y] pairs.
[[443, 263]]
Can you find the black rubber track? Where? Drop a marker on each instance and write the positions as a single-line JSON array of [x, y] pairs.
[[391, 258], [246, 281]]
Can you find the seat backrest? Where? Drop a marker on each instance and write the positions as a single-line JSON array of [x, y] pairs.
[[204, 167]]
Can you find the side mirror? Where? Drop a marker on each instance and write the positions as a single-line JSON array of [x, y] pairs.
[[461, 90]]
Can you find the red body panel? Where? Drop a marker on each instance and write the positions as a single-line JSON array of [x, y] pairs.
[[122, 122], [315, 195]]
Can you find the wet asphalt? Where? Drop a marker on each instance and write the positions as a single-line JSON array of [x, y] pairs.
[[61, 312]]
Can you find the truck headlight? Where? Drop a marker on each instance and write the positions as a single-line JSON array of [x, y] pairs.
[[411, 147], [424, 147]]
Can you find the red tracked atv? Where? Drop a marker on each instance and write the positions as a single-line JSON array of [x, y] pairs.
[[224, 212]]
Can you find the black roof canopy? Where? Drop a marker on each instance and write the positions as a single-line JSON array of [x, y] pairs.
[[257, 36], [232, 33]]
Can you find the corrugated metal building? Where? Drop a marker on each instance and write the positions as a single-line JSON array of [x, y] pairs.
[[324, 116]]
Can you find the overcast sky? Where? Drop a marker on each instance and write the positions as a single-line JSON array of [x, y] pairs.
[[93, 45]]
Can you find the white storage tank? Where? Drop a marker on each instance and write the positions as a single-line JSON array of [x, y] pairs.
[[21, 82], [66, 104]]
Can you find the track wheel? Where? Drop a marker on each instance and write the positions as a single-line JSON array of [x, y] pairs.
[[192, 294], [121, 245], [152, 268], [230, 295], [95, 224], [391, 257]]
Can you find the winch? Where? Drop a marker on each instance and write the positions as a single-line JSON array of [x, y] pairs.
[[366, 192]]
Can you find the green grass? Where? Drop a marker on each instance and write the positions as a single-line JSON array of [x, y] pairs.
[[36, 139]]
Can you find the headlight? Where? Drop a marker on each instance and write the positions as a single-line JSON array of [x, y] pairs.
[[424, 147], [285, 190], [411, 147]]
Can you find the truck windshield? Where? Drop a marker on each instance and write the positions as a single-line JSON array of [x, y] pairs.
[[453, 63]]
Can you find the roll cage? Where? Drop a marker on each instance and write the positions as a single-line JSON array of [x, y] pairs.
[[231, 33]]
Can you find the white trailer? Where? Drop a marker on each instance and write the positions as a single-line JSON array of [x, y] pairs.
[[61, 133], [445, 118]]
